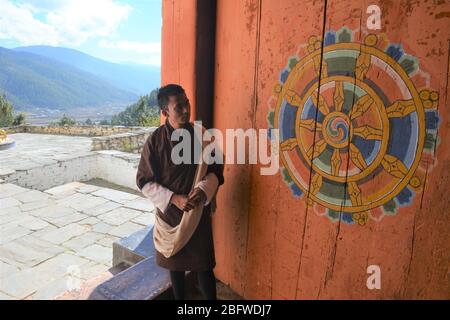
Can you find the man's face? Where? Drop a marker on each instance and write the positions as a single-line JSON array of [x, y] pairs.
[[178, 110]]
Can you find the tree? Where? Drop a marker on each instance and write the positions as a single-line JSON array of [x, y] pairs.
[[144, 112], [88, 121], [65, 120], [19, 119], [6, 112]]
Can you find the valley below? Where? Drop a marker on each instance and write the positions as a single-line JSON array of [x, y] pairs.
[[44, 116]]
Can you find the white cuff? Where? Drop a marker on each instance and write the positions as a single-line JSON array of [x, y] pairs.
[[209, 185], [159, 195]]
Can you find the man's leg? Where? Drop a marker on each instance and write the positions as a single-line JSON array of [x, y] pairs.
[[207, 284], [177, 279]]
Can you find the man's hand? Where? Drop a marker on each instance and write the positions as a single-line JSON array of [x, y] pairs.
[[189, 202], [179, 200], [196, 197]]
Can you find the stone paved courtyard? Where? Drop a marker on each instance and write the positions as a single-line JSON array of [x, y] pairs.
[[52, 240], [34, 150]]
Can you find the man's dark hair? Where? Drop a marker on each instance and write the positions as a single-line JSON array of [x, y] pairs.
[[166, 91]]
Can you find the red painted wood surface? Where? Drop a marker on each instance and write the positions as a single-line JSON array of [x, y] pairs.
[[178, 46], [269, 245]]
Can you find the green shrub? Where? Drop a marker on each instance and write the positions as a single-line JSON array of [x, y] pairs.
[[6, 112], [19, 119], [143, 113], [66, 121]]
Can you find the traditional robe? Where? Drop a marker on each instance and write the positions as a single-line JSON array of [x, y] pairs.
[[158, 177]]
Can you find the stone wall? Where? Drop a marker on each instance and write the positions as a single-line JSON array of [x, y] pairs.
[[79, 167], [127, 142], [75, 130], [117, 167], [127, 139], [113, 166]]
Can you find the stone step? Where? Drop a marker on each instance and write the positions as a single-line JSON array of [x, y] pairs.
[[142, 281], [145, 280], [87, 287], [134, 248]]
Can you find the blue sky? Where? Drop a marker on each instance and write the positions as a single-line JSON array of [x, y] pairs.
[[114, 30]]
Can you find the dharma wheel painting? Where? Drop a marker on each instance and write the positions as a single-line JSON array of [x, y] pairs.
[[357, 141]]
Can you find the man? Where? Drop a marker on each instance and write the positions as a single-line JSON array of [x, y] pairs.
[[169, 187]]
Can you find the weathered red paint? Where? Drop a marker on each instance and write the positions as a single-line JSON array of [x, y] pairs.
[[178, 46], [268, 244]]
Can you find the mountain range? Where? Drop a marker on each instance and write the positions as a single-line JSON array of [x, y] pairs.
[[61, 78], [137, 78]]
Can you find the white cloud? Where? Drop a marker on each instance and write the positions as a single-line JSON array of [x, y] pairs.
[[142, 52], [134, 46], [82, 19], [66, 22], [41, 5], [154, 60], [18, 23]]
